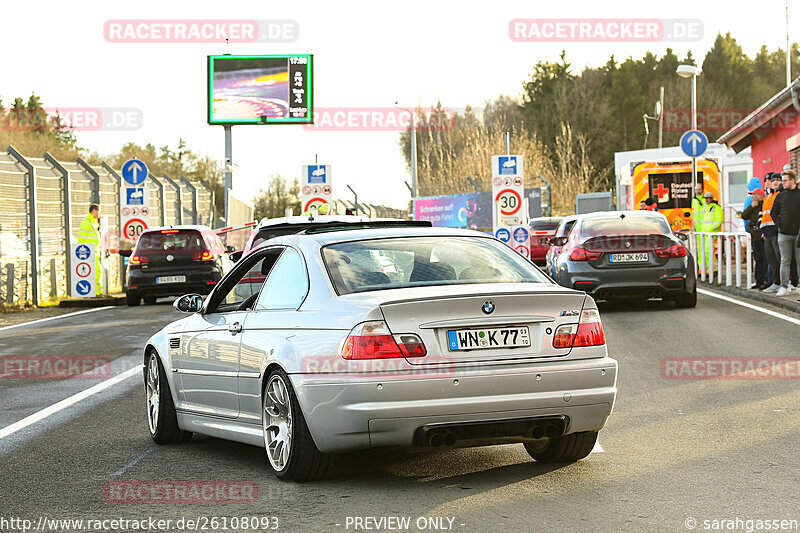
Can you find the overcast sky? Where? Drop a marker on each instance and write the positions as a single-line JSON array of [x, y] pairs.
[[366, 54]]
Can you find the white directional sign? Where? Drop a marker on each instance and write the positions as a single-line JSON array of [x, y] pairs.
[[315, 187], [508, 188], [82, 279]]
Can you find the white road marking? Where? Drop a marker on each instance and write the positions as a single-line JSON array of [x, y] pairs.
[[751, 306], [56, 317], [68, 402], [597, 448], [144, 454]]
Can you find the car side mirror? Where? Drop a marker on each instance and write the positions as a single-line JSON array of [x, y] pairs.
[[188, 303], [125, 253], [558, 241], [682, 236], [230, 248], [235, 256]]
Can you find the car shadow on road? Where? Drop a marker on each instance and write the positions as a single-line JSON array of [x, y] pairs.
[[627, 306]]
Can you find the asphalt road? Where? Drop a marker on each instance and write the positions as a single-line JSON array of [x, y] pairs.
[[674, 449]]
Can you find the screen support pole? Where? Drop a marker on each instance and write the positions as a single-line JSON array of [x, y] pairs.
[[228, 170]]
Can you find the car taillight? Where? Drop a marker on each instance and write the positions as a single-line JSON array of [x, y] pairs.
[[373, 340], [205, 255], [138, 260], [582, 254], [676, 250], [589, 332]]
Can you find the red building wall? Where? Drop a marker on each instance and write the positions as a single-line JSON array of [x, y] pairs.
[[772, 146]]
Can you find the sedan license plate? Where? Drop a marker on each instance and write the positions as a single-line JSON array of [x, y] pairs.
[[171, 279], [479, 339], [628, 258]]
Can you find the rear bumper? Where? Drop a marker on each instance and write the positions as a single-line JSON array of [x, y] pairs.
[[369, 411], [673, 277], [198, 280]]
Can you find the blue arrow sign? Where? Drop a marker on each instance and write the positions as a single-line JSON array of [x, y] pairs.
[[83, 287], [503, 234], [82, 252], [134, 171], [694, 143]]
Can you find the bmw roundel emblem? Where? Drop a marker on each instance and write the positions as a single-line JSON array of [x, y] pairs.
[[487, 307]]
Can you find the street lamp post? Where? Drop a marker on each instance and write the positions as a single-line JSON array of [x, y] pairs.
[[691, 71], [413, 151]]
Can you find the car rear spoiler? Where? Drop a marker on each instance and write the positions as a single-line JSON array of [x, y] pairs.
[[323, 227]]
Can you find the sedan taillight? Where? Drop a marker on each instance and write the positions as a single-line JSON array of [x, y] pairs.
[[582, 254], [373, 340], [588, 332], [676, 250]]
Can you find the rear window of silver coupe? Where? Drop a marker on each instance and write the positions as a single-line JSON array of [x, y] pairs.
[[401, 262]]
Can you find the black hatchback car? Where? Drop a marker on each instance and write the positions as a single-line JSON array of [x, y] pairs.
[[175, 260]]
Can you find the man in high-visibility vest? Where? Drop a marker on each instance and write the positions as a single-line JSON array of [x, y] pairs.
[[89, 233], [699, 208], [712, 223]]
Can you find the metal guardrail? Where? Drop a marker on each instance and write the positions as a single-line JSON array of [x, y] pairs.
[[42, 202], [726, 259]]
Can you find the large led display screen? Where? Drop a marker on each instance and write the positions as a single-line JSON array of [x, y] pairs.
[[260, 89]]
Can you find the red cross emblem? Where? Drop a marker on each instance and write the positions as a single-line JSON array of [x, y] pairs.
[[661, 192]]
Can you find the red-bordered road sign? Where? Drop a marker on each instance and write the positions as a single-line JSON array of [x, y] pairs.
[[134, 228], [509, 209], [314, 200], [523, 251], [84, 269]]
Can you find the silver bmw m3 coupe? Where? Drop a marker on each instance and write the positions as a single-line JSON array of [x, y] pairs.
[[339, 339]]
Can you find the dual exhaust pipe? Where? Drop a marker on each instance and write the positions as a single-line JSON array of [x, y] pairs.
[[444, 437], [544, 431]]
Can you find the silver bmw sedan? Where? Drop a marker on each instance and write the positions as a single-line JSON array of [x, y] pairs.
[[340, 339]]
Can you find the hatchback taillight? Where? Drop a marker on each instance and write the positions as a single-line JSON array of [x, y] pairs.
[[205, 255], [588, 332], [676, 250], [138, 260], [373, 340], [582, 254]]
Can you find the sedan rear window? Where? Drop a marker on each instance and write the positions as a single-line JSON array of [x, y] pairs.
[[629, 225], [424, 261]]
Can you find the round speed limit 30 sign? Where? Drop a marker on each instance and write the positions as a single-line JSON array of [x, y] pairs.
[[133, 228], [509, 201]]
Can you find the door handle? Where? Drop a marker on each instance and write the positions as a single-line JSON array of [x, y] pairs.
[[235, 328]]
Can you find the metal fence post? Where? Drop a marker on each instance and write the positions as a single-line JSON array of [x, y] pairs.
[[738, 255], [95, 180], [211, 206], [702, 256], [33, 231], [719, 260], [728, 261], [67, 212], [163, 201], [178, 197], [195, 205]]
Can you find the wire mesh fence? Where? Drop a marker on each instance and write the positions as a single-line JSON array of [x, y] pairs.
[[48, 198]]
